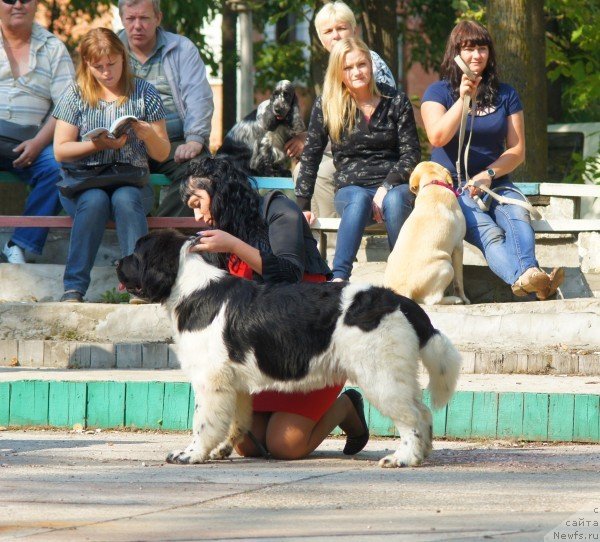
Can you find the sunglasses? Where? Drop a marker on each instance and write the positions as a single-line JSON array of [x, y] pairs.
[[13, 2]]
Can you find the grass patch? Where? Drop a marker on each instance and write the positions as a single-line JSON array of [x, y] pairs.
[[115, 297]]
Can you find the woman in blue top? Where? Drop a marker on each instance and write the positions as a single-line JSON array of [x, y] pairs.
[[106, 90], [504, 233]]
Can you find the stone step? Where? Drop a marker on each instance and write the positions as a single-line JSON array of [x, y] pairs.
[[550, 337], [65, 354], [481, 285], [524, 407], [43, 283], [512, 327]]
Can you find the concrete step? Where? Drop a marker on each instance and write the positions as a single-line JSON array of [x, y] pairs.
[[520, 327], [161, 355], [57, 246], [524, 407], [481, 285], [43, 281], [553, 337]]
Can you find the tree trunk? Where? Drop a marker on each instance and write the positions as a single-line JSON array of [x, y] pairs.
[[380, 30], [517, 27], [229, 66]]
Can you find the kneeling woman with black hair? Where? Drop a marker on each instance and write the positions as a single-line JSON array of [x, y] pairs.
[[268, 239]]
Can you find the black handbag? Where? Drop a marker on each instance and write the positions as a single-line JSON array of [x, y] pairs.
[[12, 135], [78, 178]]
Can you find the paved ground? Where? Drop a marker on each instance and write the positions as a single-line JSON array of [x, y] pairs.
[[115, 486]]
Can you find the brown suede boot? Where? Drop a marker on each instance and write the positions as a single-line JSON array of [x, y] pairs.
[[557, 276], [533, 281]]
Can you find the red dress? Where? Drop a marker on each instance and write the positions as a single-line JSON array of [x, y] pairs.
[[310, 405]]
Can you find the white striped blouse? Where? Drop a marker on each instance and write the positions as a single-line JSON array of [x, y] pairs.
[[144, 103]]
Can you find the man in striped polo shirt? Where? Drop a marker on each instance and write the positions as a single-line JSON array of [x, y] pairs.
[[35, 68], [173, 65]]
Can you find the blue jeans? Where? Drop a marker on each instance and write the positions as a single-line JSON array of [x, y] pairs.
[[42, 177], [127, 206], [504, 234], [354, 206]]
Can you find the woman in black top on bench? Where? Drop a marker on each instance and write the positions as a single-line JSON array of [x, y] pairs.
[[375, 147]]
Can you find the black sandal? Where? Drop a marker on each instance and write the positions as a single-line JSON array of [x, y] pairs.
[[356, 444]]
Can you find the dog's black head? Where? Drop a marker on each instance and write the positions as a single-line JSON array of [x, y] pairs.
[[150, 272], [282, 99]]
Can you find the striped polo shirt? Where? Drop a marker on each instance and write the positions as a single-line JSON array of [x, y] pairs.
[[144, 103], [152, 71], [29, 99]]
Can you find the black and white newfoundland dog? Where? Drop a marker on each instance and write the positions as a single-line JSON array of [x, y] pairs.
[[256, 143], [235, 337]]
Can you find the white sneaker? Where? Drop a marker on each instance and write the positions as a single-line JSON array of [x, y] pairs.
[[14, 254]]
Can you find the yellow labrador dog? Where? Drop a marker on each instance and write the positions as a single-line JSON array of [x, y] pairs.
[[428, 254]]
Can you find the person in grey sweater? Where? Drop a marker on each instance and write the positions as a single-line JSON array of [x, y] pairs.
[[173, 65]]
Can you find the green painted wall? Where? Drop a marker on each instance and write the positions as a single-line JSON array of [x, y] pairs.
[[170, 406]]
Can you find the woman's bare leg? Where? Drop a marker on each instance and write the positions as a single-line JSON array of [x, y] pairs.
[[291, 436]]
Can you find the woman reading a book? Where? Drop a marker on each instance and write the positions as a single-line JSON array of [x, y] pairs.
[[105, 91]]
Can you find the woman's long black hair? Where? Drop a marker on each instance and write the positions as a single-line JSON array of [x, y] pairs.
[[471, 34], [235, 202]]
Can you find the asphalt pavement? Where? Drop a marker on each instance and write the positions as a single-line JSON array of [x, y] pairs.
[[115, 485]]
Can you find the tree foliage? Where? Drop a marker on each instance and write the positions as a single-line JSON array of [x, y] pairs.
[[573, 55], [283, 56], [572, 38], [187, 17], [71, 19]]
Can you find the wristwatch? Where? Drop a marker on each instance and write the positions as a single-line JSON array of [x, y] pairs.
[[387, 185], [491, 173]]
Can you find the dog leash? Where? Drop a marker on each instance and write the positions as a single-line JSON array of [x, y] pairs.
[[461, 139]]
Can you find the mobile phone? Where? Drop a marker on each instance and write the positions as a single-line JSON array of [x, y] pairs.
[[465, 69]]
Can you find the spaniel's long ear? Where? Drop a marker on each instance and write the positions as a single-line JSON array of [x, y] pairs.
[[268, 119], [160, 264]]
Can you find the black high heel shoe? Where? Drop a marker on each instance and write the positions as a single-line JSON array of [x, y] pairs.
[[356, 444]]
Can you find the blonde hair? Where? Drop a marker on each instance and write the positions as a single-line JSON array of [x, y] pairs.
[[334, 11], [339, 107], [97, 43]]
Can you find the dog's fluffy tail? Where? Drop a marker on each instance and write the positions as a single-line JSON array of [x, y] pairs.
[[442, 361]]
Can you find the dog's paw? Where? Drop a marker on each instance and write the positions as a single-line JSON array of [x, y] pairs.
[[390, 461], [400, 460], [183, 457], [222, 451]]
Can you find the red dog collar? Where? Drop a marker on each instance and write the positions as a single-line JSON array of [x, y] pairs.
[[445, 185]]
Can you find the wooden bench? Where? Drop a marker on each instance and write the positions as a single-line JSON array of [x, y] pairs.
[[323, 226], [154, 222], [573, 225]]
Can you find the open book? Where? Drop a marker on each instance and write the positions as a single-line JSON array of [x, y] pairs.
[[116, 129]]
